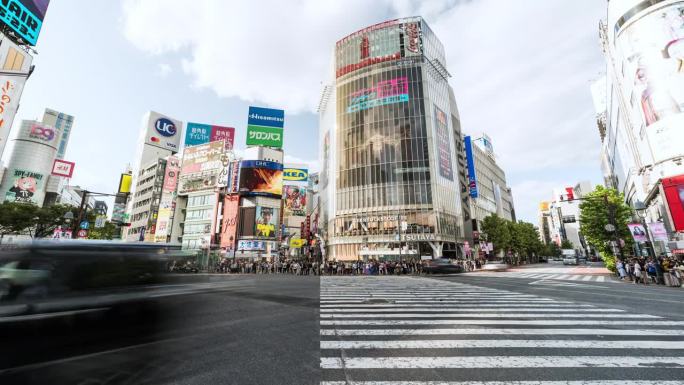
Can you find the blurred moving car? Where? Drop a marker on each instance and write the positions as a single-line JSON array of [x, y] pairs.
[[496, 266], [441, 266], [54, 276], [570, 260]]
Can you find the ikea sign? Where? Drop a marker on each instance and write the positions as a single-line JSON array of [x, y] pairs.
[[296, 174]]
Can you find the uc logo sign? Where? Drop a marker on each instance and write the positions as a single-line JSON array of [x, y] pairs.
[[295, 174], [165, 127]]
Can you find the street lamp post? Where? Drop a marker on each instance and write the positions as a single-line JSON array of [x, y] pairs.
[[640, 210]]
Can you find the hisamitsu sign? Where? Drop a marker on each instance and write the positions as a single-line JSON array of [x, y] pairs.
[[265, 127]]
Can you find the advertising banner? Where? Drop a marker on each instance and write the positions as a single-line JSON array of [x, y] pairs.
[[382, 93], [234, 177], [295, 201], [652, 50], [202, 158], [264, 136], [266, 222], [196, 133], [297, 243], [41, 133], [443, 144], [658, 231], [163, 132], [544, 206], [10, 93], [231, 207], [63, 168], [638, 232], [197, 183], [265, 127], [673, 188], [118, 212], [250, 245], [25, 184], [295, 174], [375, 44], [225, 134], [25, 17], [125, 182], [171, 174], [470, 161], [412, 42], [258, 177], [163, 226]]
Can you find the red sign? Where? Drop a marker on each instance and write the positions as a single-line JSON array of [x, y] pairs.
[[171, 174], [226, 134], [570, 193], [231, 207], [63, 168], [82, 233], [673, 188]]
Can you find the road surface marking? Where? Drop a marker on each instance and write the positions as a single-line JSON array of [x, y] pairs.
[[500, 331], [493, 315], [500, 322], [458, 344], [468, 309], [486, 362], [582, 382]]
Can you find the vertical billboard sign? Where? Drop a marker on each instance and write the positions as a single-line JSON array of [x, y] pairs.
[[25, 17], [24, 186], [652, 50], [658, 231], [294, 198], [638, 232], [10, 92], [171, 174], [443, 145], [673, 188], [163, 132], [472, 180], [234, 177], [231, 207], [265, 127]]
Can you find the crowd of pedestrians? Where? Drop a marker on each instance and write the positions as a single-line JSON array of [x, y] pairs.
[[659, 271]]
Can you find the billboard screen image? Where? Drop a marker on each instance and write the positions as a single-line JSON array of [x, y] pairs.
[[266, 222], [25, 17], [674, 194], [24, 186], [258, 177], [443, 144], [652, 50], [382, 93], [295, 201], [202, 158]]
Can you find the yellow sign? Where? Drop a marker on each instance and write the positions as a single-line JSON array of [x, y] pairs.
[[125, 183], [543, 206], [265, 230], [297, 243], [296, 174]]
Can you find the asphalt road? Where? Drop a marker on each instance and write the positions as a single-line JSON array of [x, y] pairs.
[[234, 330]]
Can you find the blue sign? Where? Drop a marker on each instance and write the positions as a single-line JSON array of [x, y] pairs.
[[267, 117], [85, 225], [261, 164], [472, 180], [197, 134], [165, 127], [24, 17]]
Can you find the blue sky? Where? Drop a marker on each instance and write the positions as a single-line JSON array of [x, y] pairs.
[[521, 72]]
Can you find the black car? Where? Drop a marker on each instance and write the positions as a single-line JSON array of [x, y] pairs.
[[52, 276], [441, 266]]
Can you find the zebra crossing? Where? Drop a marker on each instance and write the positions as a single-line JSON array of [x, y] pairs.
[[420, 331], [545, 275]]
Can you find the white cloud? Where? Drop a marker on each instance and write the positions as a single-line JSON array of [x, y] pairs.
[[164, 70]]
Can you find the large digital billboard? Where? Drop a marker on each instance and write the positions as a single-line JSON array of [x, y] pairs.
[[25, 17], [652, 50], [443, 145], [294, 198], [265, 127], [25, 186], [470, 161], [259, 177], [266, 222], [163, 131], [382, 93]]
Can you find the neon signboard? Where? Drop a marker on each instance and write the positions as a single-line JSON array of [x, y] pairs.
[[383, 93]]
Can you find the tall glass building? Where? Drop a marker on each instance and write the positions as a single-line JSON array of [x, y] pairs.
[[390, 143]]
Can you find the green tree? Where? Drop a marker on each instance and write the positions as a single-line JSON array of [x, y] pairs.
[[106, 232], [553, 250], [496, 230], [601, 207], [566, 244], [49, 218], [16, 217]]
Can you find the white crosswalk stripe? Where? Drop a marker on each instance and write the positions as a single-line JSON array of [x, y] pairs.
[[552, 274], [420, 328]]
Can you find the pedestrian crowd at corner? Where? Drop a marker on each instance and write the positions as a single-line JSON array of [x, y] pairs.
[[659, 271]]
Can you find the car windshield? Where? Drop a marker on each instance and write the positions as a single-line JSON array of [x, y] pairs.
[[443, 192]]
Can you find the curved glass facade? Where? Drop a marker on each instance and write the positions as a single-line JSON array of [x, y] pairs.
[[394, 170]]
